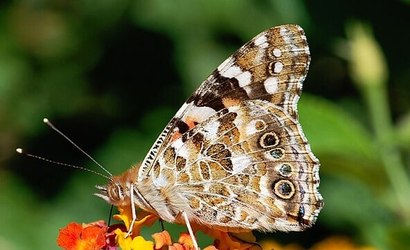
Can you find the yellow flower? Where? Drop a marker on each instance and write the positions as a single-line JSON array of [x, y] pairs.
[[339, 243], [143, 219], [129, 243]]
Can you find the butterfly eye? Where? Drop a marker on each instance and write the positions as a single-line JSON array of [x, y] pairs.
[[115, 192]]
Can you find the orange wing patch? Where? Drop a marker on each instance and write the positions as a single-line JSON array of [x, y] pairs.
[[190, 121]]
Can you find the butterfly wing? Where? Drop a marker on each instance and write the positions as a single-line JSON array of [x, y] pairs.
[[248, 167], [272, 67], [235, 150]]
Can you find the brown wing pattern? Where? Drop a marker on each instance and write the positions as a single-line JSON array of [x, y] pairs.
[[235, 151], [248, 167], [272, 67]]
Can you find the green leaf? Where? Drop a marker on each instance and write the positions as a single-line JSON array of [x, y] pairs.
[[341, 143]]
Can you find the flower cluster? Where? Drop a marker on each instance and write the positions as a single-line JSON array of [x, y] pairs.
[[98, 235]]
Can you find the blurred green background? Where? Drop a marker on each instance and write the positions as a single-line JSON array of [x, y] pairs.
[[111, 73]]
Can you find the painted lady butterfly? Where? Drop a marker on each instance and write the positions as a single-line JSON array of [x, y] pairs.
[[234, 156]]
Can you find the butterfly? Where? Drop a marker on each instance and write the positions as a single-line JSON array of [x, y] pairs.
[[234, 157]]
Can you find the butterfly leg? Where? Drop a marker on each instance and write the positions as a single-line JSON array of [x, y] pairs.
[[191, 233], [134, 214], [162, 224]]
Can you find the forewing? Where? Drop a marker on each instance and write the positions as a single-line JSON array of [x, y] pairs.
[[270, 67]]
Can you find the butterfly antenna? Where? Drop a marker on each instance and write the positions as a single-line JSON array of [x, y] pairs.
[[20, 151], [46, 121]]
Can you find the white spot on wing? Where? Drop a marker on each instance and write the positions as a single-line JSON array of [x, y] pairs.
[[250, 128], [240, 163], [231, 72], [277, 52], [244, 78], [271, 85], [183, 151], [199, 114], [261, 41], [278, 67], [211, 129], [177, 144]]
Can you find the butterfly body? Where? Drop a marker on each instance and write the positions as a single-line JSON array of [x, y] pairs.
[[234, 157]]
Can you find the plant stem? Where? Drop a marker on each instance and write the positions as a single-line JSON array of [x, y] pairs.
[[377, 102]]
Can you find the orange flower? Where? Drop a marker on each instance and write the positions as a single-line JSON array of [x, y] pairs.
[[184, 243], [162, 240], [186, 240], [227, 241], [83, 237], [98, 235]]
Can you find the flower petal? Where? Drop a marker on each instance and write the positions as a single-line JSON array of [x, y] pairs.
[[123, 242], [177, 246], [139, 243], [162, 239], [68, 236], [186, 240], [86, 236], [143, 219], [226, 241], [129, 243]]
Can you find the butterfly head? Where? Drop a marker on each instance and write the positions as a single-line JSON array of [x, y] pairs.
[[112, 193], [117, 191]]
